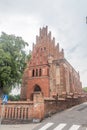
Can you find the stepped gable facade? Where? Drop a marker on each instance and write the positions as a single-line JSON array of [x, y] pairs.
[[48, 71]]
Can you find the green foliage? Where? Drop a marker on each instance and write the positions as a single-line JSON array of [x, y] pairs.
[[13, 60], [85, 89], [14, 97]]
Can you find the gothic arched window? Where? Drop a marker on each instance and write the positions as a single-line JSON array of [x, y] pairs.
[[36, 72], [40, 72], [33, 72], [44, 48], [47, 71]]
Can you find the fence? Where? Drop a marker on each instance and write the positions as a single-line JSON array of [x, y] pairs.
[[17, 110], [36, 109]]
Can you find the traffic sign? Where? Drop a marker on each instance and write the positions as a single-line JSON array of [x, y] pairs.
[[5, 99]]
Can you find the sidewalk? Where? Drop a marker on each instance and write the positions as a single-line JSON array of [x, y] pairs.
[[19, 127]]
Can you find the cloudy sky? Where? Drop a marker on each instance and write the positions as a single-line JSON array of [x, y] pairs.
[[66, 20]]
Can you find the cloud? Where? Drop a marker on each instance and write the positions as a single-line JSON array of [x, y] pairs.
[[73, 49], [65, 18]]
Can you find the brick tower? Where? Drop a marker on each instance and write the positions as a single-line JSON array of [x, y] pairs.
[[48, 71]]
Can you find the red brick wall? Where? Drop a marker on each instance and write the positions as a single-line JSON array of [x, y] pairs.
[[38, 105], [24, 110], [43, 82], [53, 106], [38, 109]]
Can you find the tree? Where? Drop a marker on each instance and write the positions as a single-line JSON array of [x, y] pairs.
[[14, 97], [13, 59], [85, 89]]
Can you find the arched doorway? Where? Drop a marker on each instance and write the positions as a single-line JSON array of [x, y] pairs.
[[37, 88]]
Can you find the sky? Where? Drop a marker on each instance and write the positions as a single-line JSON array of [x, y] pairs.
[[66, 19]]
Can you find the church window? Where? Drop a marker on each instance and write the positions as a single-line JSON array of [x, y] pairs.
[[40, 72], [48, 72], [44, 48], [36, 72], [33, 72]]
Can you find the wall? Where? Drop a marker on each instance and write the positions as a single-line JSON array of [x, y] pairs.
[[53, 106], [24, 110], [43, 83], [38, 109]]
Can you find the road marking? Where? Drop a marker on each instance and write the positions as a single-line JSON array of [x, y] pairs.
[[60, 126], [75, 127], [46, 126]]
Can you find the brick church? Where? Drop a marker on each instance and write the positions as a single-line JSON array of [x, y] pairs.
[[48, 71]]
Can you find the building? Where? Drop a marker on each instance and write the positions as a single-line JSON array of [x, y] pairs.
[[48, 71], [50, 84]]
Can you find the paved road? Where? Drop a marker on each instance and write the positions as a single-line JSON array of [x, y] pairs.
[[71, 119]]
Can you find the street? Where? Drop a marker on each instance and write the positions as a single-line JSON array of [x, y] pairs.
[[74, 118]]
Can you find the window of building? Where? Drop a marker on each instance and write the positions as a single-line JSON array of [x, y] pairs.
[[44, 48], [36, 72], [48, 72], [40, 72], [33, 72]]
